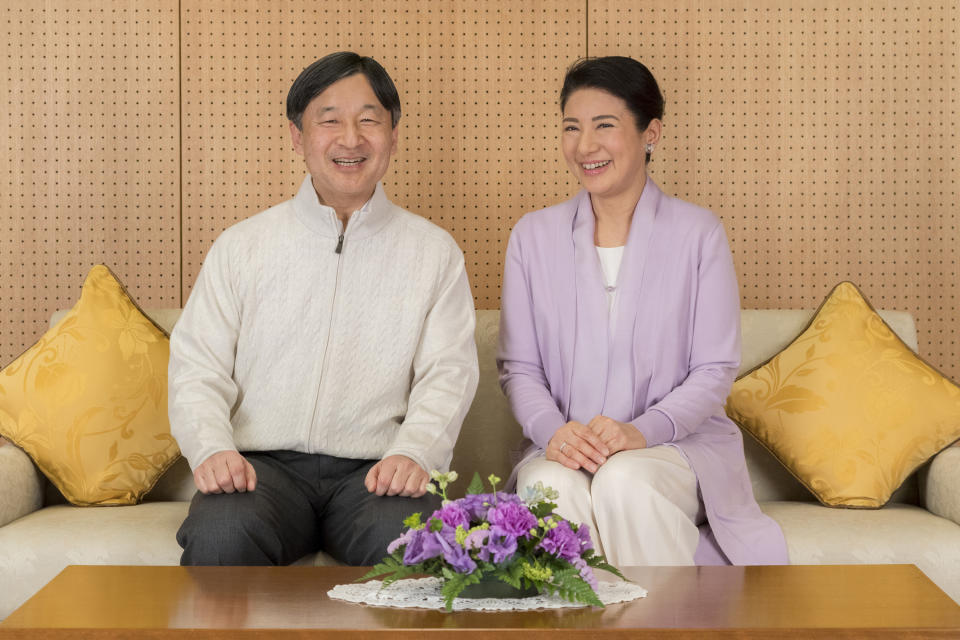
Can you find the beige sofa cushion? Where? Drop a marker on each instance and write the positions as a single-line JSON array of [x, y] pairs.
[[37, 547], [20, 484], [898, 533]]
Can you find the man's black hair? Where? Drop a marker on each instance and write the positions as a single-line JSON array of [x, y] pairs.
[[313, 80]]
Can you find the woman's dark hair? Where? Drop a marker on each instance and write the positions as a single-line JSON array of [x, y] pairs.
[[622, 77], [313, 80]]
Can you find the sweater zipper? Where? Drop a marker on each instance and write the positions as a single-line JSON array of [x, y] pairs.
[[326, 349]]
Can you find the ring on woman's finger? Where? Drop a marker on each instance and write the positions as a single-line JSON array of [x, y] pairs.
[[562, 445]]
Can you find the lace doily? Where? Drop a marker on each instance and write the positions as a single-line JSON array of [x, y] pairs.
[[424, 593]]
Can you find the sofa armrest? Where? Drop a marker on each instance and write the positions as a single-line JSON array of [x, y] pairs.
[[21, 484], [941, 490]]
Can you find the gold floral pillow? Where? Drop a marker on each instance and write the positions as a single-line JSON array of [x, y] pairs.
[[847, 407], [88, 401]]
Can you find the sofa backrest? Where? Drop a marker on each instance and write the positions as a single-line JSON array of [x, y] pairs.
[[490, 435]]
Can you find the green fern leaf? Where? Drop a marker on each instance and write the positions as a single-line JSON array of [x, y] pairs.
[[389, 565], [452, 587], [577, 590], [600, 563], [476, 485], [402, 572]]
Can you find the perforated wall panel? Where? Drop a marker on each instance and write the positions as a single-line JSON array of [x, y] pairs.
[[478, 82], [90, 170], [825, 136]]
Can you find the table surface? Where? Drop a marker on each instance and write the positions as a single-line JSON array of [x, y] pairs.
[[736, 602]]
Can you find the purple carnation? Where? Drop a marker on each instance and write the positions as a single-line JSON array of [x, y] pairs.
[[404, 538], [511, 519], [422, 546], [476, 505], [583, 533], [586, 573], [453, 515], [562, 542], [479, 504], [455, 555], [501, 548], [476, 540]]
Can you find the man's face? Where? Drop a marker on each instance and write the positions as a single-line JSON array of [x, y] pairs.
[[346, 141]]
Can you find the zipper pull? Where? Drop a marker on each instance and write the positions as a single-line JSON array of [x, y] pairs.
[[339, 244]]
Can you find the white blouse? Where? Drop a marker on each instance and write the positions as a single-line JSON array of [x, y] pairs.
[[610, 258]]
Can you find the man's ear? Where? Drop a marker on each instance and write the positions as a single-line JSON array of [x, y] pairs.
[[394, 136], [297, 136]]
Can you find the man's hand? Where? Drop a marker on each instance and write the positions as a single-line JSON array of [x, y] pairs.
[[576, 446], [225, 472], [617, 436], [397, 476]]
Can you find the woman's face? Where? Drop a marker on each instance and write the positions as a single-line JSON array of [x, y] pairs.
[[602, 145]]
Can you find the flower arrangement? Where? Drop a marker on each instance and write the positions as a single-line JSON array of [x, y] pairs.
[[516, 539]]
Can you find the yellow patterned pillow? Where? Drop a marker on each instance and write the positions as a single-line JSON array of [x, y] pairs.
[[847, 407], [88, 401]]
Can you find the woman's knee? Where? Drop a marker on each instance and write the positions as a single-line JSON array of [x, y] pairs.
[[635, 473], [552, 474]]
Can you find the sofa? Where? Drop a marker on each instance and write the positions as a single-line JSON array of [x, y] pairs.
[[40, 534]]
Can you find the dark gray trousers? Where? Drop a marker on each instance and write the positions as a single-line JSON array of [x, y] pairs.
[[302, 503]]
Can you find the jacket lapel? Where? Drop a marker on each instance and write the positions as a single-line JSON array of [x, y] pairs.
[[636, 310], [591, 343]]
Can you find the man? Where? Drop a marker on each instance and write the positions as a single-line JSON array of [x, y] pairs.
[[325, 359]]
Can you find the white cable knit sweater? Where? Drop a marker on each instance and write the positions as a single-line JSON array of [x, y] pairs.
[[287, 344]]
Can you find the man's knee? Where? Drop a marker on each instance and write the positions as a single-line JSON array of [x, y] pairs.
[[228, 529], [377, 522]]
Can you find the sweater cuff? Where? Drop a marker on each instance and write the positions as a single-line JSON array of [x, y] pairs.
[[203, 443], [542, 427], [656, 427], [413, 455]]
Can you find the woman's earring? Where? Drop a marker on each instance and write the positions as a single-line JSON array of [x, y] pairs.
[[649, 148]]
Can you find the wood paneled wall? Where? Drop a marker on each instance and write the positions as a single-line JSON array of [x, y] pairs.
[[90, 168], [823, 133], [825, 136], [478, 83]]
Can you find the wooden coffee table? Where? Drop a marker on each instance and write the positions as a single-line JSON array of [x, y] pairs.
[[872, 601]]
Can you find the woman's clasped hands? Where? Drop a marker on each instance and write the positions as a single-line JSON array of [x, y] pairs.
[[587, 446]]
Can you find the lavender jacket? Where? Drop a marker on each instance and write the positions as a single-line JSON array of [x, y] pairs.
[[669, 364]]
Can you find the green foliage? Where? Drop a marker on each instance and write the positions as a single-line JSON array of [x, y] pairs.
[[390, 564], [568, 584], [476, 485], [599, 563], [542, 509], [413, 521], [454, 583], [512, 573], [436, 524]]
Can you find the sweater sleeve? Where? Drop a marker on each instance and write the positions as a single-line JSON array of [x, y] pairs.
[[445, 374], [522, 377], [203, 345], [714, 350]]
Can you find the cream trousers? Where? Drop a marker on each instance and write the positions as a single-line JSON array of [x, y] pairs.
[[642, 505]]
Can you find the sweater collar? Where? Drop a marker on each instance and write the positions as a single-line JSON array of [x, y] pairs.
[[321, 219]]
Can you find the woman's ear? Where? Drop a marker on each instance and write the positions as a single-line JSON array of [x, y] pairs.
[[653, 131]]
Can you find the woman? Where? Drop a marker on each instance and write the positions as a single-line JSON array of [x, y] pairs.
[[620, 340]]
